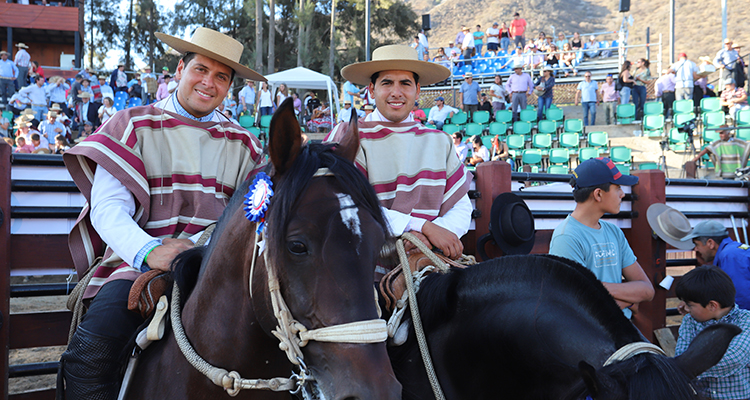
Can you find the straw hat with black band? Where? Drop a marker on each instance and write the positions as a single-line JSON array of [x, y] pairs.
[[216, 46], [395, 58]]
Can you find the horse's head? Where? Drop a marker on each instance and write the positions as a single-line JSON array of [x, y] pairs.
[[657, 377], [323, 237]]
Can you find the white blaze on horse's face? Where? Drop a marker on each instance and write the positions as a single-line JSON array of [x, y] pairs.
[[349, 215]]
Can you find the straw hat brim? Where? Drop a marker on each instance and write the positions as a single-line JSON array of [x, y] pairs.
[[428, 72], [183, 46]]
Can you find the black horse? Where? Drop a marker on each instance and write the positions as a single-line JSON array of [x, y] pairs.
[[539, 327]]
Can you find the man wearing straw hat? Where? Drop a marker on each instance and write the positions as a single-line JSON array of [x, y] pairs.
[[22, 61], [419, 180], [140, 213], [51, 127]]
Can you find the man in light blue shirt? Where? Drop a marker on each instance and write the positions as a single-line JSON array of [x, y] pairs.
[[247, 98], [56, 89], [8, 74], [685, 75], [36, 96], [598, 245], [350, 90], [586, 92], [470, 94]]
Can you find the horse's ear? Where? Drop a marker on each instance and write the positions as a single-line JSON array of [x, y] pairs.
[[284, 137], [707, 349], [349, 145], [588, 373]]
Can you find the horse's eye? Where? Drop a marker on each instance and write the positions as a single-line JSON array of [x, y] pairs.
[[296, 248]]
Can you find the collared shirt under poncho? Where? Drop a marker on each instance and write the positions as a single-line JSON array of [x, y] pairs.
[[730, 378], [181, 173], [413, 169]]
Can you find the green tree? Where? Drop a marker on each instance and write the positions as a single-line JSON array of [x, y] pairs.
[[103, 30], [148, 20]]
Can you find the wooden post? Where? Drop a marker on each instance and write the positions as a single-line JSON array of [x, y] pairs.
[[5, 153], [650, 251], [493, 178]]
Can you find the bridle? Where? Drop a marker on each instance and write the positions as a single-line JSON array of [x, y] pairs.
[[292, 334]]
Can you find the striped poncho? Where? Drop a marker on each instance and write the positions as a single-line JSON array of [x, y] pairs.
[[730, 155], [413, 169], [181, 174]]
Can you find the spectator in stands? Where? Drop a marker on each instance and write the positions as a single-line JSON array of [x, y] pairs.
[[714, 246], [86, 111], [504, 37], [467, 46], [625, 81], [418, 113], [520, 86], [22, 61], [35, 70], [134, 86], [164, 72], [39, 143], [453, 51], [8, 74], [609, 98], [728, 151], [282, 92], [498, 94], [479, 153], [104, 88], [734, 98], [493, 38], [351, 90], [500, 152], [440, 112], [162, 92], [423, 41], [4, 125], [345, 114], [61, 145], [517, 30], [568, 59], [22, 147], [685, 75], [442, 59], [534, 59], [119, 80], [485, 104], [56, 89], [665, 88], [107, 110], [462, 149], [592, 47], [265, 102], [416, 45], [519, 58], [460, 36], [368, 109], [726, 60], [247, 98], [740, 76], [469, 94], [641, 76], [321, 118], [576, 44], [478, 40], [51, 127], [36, 96], [561, 41], [148, 85], [297, 104], [88, 129], [545, 84], [586, 92], [552, 59]]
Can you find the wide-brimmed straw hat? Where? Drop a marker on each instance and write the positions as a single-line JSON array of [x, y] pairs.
[[55, 107], [216, 46], [395, 57], [85, 95], [4, 52], [22, 45], [670, 225]]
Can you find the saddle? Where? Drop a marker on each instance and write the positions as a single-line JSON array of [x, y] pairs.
[[146, 291], [393, 284]]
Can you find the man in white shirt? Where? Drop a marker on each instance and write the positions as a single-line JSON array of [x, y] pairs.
[[685, 74], [493, 38], [105, 89], [468, 44], [247, 98], [440, 112], [345, 114], [498, 93], [36, 96], [22, 61]]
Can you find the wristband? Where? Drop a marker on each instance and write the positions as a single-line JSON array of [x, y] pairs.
[[145, 259]]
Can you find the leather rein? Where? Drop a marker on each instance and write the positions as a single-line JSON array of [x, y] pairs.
[[292, 335]]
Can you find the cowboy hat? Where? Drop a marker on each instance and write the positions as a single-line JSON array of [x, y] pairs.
[[56, 79], [22, 45], [512, 224], [4, 52], [55, 107], [216, 46], [395, 57], [85, 95], [27, 111], [670, 225]]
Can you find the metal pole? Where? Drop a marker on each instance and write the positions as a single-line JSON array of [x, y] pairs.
[[671, 32], [367, 30], [333, 41], [723, 21], [648, 43], [659, 56]]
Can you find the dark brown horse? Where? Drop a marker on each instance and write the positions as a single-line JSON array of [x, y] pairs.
[[324, 233]]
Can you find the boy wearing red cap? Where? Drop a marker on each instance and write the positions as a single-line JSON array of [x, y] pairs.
[[599, 245]]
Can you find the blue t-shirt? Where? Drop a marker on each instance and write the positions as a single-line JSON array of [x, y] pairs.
[[734, 259], [470, 93], [350, 87], [604, 251], [588, 90]]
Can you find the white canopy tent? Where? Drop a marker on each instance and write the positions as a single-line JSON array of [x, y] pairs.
[[303, 78]]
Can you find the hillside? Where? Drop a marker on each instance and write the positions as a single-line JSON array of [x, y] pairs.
[[697, 27]]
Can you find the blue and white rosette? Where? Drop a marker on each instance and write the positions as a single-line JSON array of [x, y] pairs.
[[257, 199]]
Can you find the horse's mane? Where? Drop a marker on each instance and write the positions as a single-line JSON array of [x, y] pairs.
[[295, 182], [642, 377], [479, 285]]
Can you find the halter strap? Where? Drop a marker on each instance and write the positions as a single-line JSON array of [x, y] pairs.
[[632, 349]]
